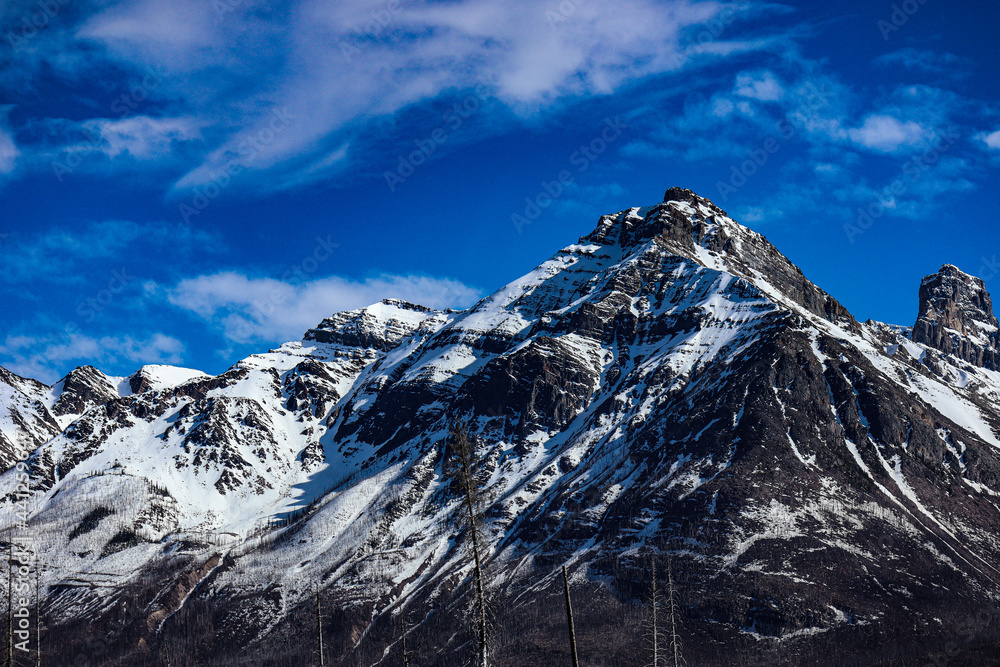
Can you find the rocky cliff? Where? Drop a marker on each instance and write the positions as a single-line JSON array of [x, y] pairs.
[[956, 317]]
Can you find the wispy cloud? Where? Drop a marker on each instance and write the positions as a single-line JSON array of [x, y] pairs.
[[8, 152], [8, 148], [110, 145], [224, 68], [47, 358], [142, 137], [925, 60], [922, 182], [762, 86], [244, 308], [63, 254], [347, 68]]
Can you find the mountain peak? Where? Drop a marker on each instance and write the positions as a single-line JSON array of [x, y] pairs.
[[83, 388], [152, 377], [381, 326], [691, 226], [687, 196], [404, 305], [953, 272], [692, 198], [956, 317]]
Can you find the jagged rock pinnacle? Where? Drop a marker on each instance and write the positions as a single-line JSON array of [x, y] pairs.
[[956, 317]]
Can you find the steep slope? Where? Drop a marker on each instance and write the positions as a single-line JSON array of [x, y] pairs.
[[32, 413], [671, 383], [25, 419]]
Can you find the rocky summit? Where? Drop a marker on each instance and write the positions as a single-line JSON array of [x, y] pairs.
[[956, 317], [668, 402]]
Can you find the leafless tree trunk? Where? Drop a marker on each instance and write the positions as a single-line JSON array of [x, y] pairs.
[[406, 651], [463, 470], [654, 606], [10, 601], [569, 615], [38, 612], [675, 642], [319, 631]]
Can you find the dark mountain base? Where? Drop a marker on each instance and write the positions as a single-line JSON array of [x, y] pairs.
[[613, 629]]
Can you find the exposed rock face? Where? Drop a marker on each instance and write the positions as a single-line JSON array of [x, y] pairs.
[[691, 226], [956, 317], [380, 327], [84, 388], [827, 490]]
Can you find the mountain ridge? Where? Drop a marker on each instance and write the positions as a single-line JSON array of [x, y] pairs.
[[670, 383]]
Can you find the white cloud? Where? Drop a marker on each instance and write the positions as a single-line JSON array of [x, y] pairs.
[[888, 134], [338, 64], [263, 309], [762, 86], [340, 67], [49, 358], [922, 59], [171, 28], [721, 107], [8, 152], [100, 144], [141, 137], [993, 140]]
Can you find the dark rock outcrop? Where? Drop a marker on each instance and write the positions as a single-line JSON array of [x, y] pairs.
[[376, 328], [956, 317], [84, 388]]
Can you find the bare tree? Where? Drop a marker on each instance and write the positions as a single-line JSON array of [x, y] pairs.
[[405, 653], [569, 616], [655, 601], [38, 612], [675, 641], [462, 470], [10, 600], [319, 631]]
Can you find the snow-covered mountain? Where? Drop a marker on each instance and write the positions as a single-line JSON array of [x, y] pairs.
[[826, 489]]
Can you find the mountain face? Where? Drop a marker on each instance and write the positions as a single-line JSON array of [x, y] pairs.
[[25, 418], [826, 491]]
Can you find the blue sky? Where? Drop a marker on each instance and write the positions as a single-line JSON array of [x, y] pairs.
[[188, 181]]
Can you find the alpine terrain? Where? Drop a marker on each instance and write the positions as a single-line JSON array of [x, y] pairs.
[[667, 403]]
